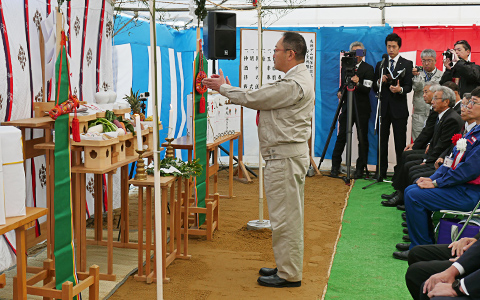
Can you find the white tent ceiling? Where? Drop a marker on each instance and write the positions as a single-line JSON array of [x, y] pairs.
[[332, 13]]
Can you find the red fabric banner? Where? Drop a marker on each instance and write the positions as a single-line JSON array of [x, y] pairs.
[[439, 38]]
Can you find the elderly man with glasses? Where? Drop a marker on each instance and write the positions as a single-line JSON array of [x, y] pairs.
[[421, 110], [454, 186]]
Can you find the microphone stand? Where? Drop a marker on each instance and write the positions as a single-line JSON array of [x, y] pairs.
[[378, 128]]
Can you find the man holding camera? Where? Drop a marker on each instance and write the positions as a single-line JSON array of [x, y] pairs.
[[396, 83], [362, 81], [426, 73], [464, 73]]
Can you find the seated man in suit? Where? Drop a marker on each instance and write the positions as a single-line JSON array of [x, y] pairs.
[[419, 146], [459, 281], [427, 170], [458, 100], [427, 260], [469, 124], [447, 124], [455, 185]]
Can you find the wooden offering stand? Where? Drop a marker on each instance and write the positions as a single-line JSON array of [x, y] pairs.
[[178, 219], [46, 274], [211, 209]]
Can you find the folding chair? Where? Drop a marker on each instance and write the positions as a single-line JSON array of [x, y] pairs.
[[474, 213]]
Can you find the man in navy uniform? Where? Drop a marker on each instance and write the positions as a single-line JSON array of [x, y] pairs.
[[454, 186], [394, 99]]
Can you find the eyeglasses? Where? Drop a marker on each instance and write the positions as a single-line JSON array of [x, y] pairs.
[[276, 50], [473, 102], [463, 105]]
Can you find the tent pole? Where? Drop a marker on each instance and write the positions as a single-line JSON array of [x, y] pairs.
[[156, 154], [260, 223]]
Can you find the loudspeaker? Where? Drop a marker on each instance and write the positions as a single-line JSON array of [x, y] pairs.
[[220, 35]]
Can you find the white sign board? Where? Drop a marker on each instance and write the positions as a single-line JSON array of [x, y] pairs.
[[249, 56]]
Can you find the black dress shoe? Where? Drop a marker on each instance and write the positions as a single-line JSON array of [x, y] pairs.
[[404, 224], [405, 230], [403, 246], [275, 281], [401, 207], [334, 172], [403, 255], [396, 200], [404, 216], [268, 271], [406, 238], [358, 175], [389, 196]]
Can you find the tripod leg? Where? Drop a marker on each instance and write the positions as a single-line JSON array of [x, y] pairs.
[[332, 128], [360, 132]]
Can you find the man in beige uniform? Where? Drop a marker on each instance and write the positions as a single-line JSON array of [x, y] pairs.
[[286, 108]]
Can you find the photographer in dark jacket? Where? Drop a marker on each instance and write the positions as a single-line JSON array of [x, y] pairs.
[[464, 73], [363, 80]]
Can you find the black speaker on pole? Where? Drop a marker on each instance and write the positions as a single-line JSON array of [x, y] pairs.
[[220, 35]]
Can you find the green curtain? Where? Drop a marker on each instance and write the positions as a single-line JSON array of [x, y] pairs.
[[63, 248], [200, 140]]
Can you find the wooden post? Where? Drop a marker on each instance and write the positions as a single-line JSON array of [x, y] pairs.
[[93, 290]]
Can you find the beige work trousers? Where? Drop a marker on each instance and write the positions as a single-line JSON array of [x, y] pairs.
[[418, 122], [284, 188]]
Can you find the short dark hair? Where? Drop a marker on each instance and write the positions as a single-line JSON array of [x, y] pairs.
[[295, 42], [393, 37], [476, 92], [465, 44], [451, 85]]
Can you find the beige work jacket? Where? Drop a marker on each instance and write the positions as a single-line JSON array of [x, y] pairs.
[[286, 109]]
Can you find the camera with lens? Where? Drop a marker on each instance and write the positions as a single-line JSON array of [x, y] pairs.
[[448, 54], [419, 68], [349, 62]]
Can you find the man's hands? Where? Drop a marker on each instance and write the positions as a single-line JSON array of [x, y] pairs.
[[339, 94], [396, 88], [415, 72], [438, 163], [460, 246], [408, 147], [425, 183], [447, 276], [442, 290], [446, 63], [215, 81], [355, 79]]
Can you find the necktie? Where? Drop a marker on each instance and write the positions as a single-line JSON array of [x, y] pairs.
[[429, 76], [392, 65]]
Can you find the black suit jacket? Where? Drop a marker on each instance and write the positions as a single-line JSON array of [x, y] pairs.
[[450, 124], [458, 108], [426, 135], [362, 99], [470, 262], [395, 103], [469, 74]]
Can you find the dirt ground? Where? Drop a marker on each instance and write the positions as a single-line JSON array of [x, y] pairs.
[[227, 267]]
